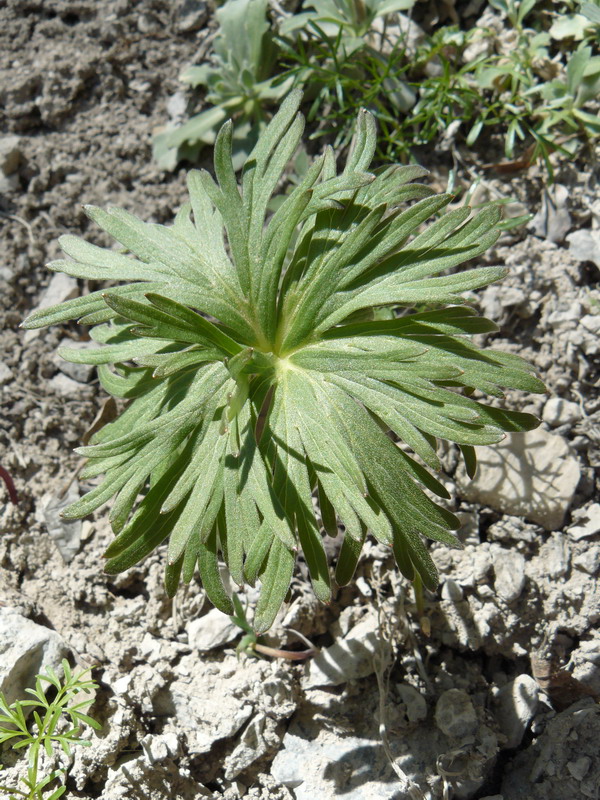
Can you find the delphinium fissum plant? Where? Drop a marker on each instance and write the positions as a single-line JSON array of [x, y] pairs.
[[266, 358]]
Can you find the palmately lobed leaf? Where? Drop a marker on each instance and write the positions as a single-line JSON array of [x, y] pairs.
[[265, 359]]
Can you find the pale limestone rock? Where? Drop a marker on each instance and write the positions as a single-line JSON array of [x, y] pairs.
[[61, 384], [10, 154], [66, 533], [6, 375], [509, 571], [258, 737], [211, 631], [555, 556], [589, 561], [452, 591], [190, 15], [553, 220], [515, 706], [158, 748], [561, 412], [585, 663], [315, 766], [584, 245], [26, 649], [61, 288], [591, 322], [348, 659], [541, 772], [216, 699], [566, 314], [455, 714], [588, 523], [413, 701], [533, 475], [580, 768], [151, 781]]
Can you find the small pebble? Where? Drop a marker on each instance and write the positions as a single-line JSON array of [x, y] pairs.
[[191, 15], [455, 715], [516, 704], [61, 384], [587, 525], [61, 287], [590, 649], [159, 748], [509, 570], [451, 591], [560, 412], [10, 154], [414, 702], [363, 587], [589, 561], [211, 631], [148, 23], [6, 375], [579, 768]]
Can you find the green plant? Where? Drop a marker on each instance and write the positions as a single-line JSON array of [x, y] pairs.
[[48, 728], [534, 97], [591, 11], [524, 91], [509, 78], [239, 85], [342, 81], [266, 359], [515, 10], [352, 18], [565, 99], [581, 25], [447, 95]]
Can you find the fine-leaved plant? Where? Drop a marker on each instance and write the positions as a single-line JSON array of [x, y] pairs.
[[56, 724], [344, 75], [266, 359]]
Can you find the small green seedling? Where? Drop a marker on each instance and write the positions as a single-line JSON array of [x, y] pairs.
[[56, 723], [267, 359]]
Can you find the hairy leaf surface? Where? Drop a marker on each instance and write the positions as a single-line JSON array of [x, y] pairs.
[[288, 376]]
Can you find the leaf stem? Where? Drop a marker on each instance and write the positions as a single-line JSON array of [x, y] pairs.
[[424, 620], [12, 492], [290, 655]]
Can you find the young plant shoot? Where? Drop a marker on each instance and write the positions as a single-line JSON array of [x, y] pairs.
[[264, 359]]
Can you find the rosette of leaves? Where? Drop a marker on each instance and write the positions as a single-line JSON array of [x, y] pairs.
[[265, 360], [239, 83]]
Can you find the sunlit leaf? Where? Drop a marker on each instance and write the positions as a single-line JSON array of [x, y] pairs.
[[273, 361]]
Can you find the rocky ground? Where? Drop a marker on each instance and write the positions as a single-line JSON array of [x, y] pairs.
[[499, 701]]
